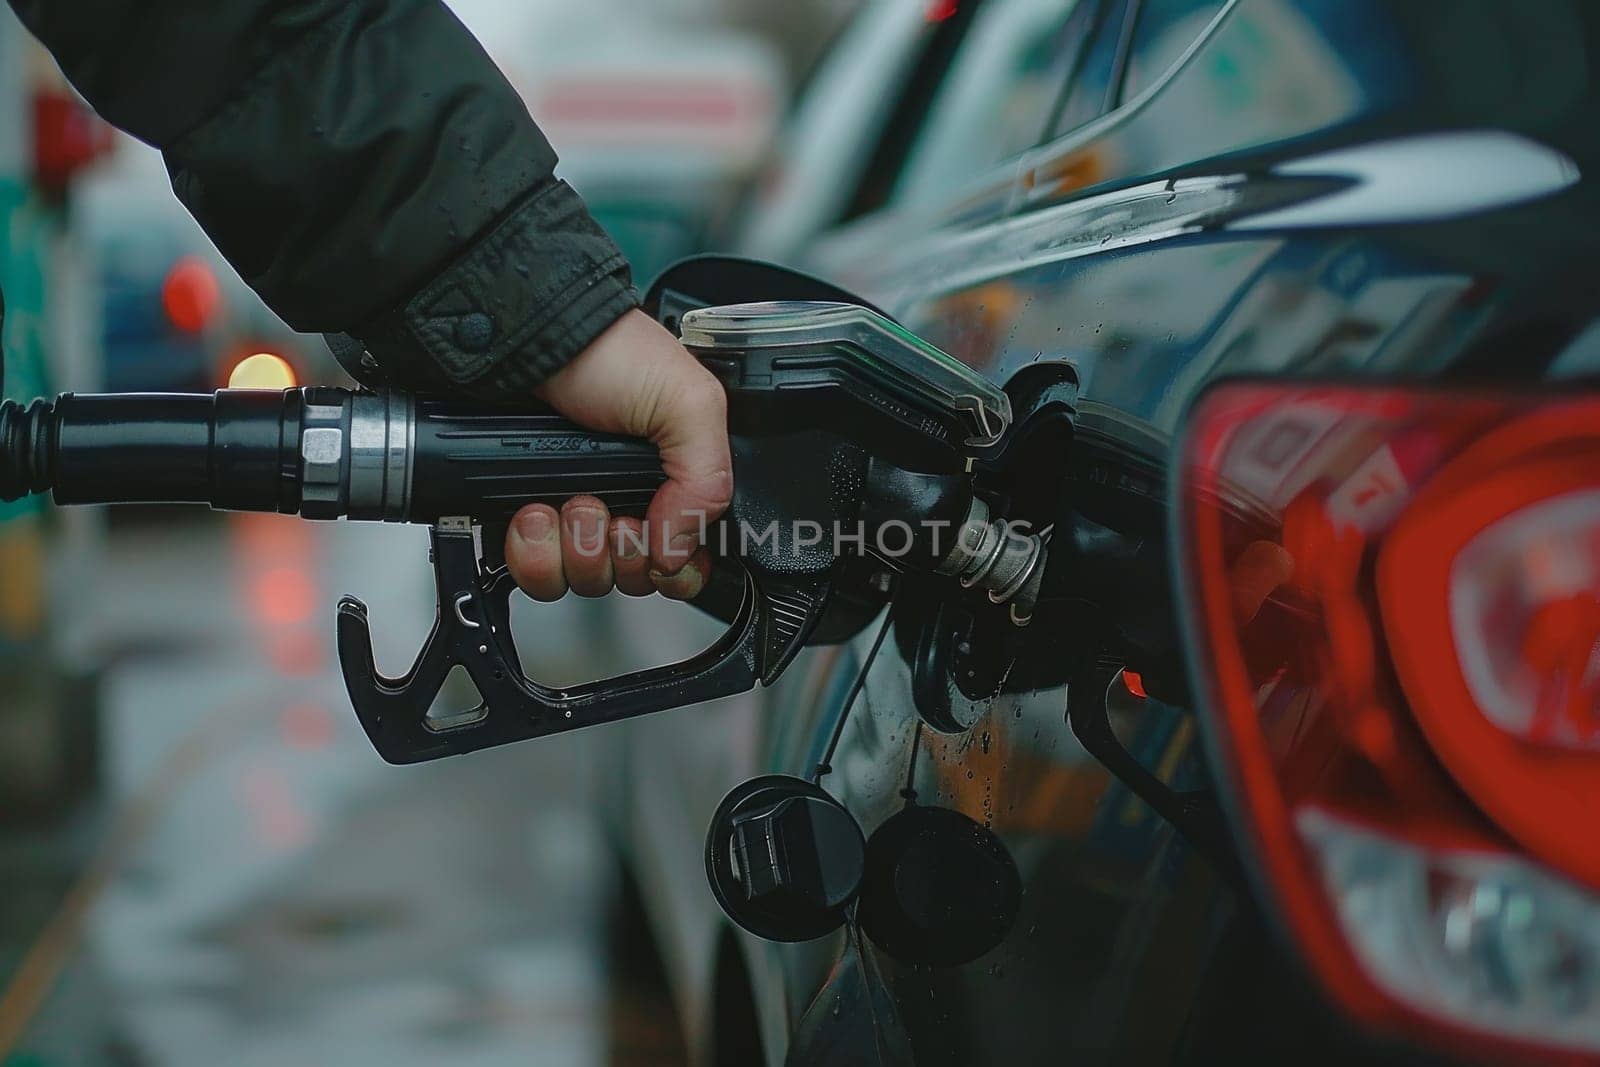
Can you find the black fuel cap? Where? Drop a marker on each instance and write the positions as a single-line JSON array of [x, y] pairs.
[[784, 858], [939, 888]]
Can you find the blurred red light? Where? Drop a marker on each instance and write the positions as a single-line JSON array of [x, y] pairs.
[[262, 370], [191, 295], [295, 651], [67, 137], [307, 726], [284, 595]]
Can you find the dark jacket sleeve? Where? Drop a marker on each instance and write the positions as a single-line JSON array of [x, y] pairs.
[[365, 167]]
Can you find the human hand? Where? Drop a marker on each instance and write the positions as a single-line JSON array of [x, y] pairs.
[[634, 379]]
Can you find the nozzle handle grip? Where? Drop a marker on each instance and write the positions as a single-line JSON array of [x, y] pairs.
[[487, 463]]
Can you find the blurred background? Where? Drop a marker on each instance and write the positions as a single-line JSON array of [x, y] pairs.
[[198, 849]]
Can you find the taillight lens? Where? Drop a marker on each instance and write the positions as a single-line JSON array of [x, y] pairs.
[[1393, 602], [1525, 620]]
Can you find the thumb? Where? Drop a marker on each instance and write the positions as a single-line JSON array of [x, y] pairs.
[[637, 379], [690, 427]]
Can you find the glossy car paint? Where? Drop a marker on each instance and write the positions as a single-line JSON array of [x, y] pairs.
[[1325, 187]]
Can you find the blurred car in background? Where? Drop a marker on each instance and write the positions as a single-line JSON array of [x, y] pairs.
[[1150, 196], [658, 114], [847, 114], [174, 316], [658, 128]]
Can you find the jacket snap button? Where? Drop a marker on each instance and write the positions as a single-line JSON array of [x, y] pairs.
[[474, 332]]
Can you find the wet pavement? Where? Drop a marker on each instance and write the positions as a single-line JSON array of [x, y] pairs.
[[259, 888]]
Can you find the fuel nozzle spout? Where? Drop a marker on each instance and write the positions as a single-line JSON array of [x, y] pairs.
[[955, 533], [995, 555]]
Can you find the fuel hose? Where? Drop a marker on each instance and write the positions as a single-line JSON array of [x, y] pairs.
[[318, 452]]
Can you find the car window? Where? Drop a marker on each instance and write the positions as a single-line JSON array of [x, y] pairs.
[[1164, 28], [998, 97], [947, 23], [845, 132], [1088, 94]]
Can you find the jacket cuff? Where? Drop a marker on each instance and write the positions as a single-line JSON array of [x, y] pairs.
[[525, 299]]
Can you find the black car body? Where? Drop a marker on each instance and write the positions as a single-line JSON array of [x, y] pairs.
[[1158, 194]]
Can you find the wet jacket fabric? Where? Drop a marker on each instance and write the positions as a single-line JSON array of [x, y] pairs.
[[366, 168]]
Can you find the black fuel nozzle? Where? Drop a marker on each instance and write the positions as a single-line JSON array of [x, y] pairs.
[[852, 442]]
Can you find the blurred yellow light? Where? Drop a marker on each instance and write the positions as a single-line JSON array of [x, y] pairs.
[[262, 371]]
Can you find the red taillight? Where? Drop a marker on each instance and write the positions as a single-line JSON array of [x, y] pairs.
[[1394, 607], [191, 295]]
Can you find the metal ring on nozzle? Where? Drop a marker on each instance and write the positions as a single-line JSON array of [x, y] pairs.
[[991, 556]]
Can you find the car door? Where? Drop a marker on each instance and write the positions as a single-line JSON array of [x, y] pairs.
[[1252, 186]]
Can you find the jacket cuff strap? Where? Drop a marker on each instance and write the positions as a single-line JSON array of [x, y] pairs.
[[525, 299]]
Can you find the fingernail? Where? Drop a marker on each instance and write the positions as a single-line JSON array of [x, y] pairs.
[[683, 545], [536, 526], [624, 544], [685, 585], [588, 531]]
